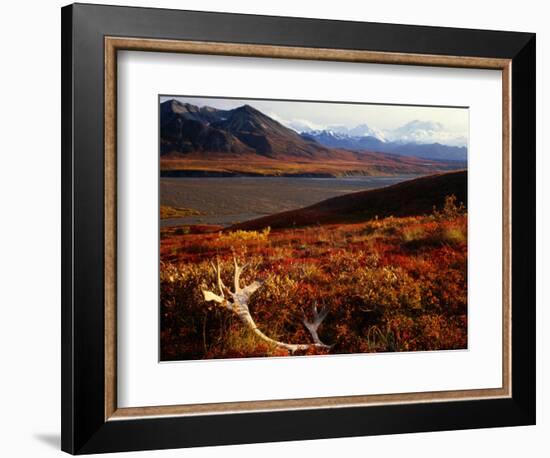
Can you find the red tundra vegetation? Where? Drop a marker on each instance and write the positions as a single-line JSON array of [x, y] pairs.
[[387, 284]]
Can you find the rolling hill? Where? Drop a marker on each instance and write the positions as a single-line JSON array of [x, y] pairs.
[[413, 197]]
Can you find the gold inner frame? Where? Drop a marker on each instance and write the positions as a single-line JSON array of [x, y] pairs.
[[114, 44]]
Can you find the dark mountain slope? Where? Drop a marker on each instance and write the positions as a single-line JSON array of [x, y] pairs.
[[185, 129], [269, 137]]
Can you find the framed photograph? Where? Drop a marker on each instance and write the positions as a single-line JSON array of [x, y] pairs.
[[284, 228]]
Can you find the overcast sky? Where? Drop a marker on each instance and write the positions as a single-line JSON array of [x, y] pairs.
[[424, 124]]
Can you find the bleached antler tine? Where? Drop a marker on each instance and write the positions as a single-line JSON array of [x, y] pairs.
[[323, 314], [237, 275], [313, 325], [247, 291], [218, 271], [210, 296]]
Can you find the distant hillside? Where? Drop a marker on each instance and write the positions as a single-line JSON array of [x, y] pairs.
[[413, 197], [244, 141]]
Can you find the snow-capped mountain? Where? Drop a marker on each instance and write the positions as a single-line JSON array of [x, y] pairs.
[[361, 130], [425, 139], [327, 133], [417, 132], [425, 132], [335, 139], [410, 142]]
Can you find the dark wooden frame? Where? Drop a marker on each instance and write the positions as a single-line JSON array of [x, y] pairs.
[[91, 34]]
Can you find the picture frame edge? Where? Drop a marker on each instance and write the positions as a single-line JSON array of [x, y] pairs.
[[95, 432]]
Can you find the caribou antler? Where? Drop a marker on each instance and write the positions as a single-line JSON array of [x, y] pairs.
[[237, 302], [312, 326]]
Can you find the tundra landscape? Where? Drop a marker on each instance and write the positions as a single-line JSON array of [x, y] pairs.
[[284, 240]]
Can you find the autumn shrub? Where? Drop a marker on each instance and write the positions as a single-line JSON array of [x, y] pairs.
[[244, 236], [453, 234], [451, 210], [413, 233]]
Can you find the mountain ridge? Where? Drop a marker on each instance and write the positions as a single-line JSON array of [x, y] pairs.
[[435, 150], [244, 140]]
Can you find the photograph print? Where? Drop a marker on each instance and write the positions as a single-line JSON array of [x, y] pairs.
[[296, 228]]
